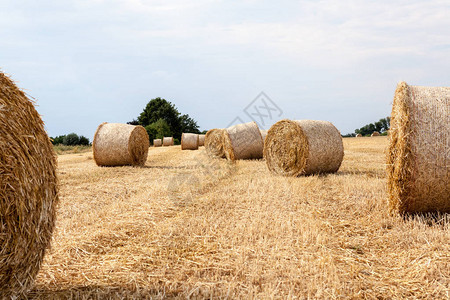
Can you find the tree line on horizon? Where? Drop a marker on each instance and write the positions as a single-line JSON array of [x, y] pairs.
[[161, 118]]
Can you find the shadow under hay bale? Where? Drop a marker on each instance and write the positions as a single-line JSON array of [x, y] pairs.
[[189, 141], [167, 141], [214, 143], [243, 141], [118, 144], [305, 147], [29, 191], [418, 158]]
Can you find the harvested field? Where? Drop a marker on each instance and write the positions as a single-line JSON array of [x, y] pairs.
[[186, 225]]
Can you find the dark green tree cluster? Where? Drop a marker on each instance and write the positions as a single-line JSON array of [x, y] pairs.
[[71, 139], [381, 126], [161, 118]]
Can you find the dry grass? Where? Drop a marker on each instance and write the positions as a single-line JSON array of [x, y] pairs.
[[190, 226]]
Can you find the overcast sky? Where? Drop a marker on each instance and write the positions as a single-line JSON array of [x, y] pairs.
[[87, 62]]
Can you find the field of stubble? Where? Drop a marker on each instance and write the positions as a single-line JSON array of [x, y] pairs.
[[188, 226]]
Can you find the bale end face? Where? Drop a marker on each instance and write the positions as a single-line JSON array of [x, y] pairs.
[[214, 143]]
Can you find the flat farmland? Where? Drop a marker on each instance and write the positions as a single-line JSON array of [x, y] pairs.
[[190, 226]]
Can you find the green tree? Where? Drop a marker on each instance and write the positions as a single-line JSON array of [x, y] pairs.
[[71, 139], [158, 130], [83, 141], [159, 108], [58, 140], [381, 126], [188, 124]]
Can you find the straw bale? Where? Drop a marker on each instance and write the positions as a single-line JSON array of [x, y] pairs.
[[157, 142], [201, 140], [189, 141], [418, 158], [359, 135], [375, 133], [167, 141], [214, 142], [29, 190], [303, 147], [243, 141], [118, 144]]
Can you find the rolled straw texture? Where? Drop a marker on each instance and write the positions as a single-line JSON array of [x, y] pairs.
[[418, 158], [294, 148], [189, 141], [201, 140], [167, 141], [243, 141], [157, 142], [29, 190], [214, 142], [118, 144]]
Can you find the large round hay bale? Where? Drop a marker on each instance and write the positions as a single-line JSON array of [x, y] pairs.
[[201, 140], [375, 133], [214, 142], [189, 141], [167, 141], [243, 141], [303, 147], [263, 134], [118, 144], [359, 135], [418, 159], [29, 191], [157, 142]]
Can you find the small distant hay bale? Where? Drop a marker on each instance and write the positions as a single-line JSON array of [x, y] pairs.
[[418, 158], [294, 148], [157, 142], [167, 141], [118, 144], [201, 140], [214, 142], [263, 134], [243, 141], [375, 133], [189, 141], [29, 191], [359, 135]]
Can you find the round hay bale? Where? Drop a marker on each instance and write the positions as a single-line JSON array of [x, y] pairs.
[[118, 144], [157, 142], [189, 141], [375, 133], [29, 190], [418, 158], [214, 142], [303, 147], [243, 141], [263, 134], [359, 135], [201, 140], [167, 141]]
